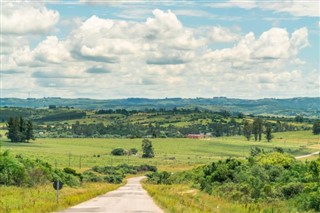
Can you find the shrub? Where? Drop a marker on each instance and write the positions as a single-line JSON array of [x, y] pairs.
[[133, 151], [118, 152]]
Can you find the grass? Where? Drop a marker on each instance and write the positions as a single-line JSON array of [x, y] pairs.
[[170, 152], [43, 198], [182, 198]]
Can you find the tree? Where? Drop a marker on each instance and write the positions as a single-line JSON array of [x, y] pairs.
[[247, 130], [268, 133], [299, 118], [257, 128], [19, 130], [147, 149], [316, 128]]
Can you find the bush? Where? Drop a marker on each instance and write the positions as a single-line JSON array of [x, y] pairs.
[[133, 151], [113, 179], [118, 152], [159, 178], [19, 171], [91, 177]]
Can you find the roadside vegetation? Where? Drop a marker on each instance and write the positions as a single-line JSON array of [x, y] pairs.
[[259, 182]]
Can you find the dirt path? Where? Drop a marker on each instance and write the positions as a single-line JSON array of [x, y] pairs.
[[129, 198], [309, 155]]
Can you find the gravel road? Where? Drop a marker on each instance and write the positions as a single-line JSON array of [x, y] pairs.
[[129, 198], [309, 155]]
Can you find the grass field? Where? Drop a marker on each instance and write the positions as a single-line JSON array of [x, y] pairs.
[[171, 153], [43, 198]]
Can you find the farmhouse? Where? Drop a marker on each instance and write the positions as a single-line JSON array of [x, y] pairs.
[[197, 136]]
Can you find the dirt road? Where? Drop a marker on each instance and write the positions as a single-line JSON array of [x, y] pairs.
[[309, 155], [129, 198]]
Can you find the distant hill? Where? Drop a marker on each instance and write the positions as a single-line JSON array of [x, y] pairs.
[[309, 107]]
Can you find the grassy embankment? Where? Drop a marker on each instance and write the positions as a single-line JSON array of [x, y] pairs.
[[43, 198], [178, 198]]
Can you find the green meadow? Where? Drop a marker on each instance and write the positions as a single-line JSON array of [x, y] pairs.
[[173, 153]]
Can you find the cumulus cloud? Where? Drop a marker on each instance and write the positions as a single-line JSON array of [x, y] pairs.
[[273, 44], [23, 18], [294, 7], [220, 34], [51, 50], [159, 57]]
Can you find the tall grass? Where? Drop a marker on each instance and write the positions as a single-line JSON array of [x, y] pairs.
[[43, 198], [182, 198]]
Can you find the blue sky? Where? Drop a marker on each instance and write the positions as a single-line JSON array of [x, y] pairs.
[[156, 49]]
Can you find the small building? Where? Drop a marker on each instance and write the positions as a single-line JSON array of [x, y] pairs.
[[195, 136]]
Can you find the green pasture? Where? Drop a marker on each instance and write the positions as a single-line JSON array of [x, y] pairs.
[[84, 153]]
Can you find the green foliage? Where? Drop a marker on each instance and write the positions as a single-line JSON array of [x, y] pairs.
[[316, 128], [147, 149], [247, 129], [275, 159], [269, 136], [257, 128], [19, 130], [19, 171], [262, 178], [118, 152], [159, 178], [133, 151], [115, 174]]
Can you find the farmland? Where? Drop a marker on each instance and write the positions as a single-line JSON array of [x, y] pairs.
[[170, 152]]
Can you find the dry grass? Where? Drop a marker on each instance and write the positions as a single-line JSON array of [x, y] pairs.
[[182, 198], [43, 198]]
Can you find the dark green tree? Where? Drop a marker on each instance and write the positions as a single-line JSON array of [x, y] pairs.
[[19, 130], [316, 128], [147, 149], [247, 130], [257, 128], [268, 133]]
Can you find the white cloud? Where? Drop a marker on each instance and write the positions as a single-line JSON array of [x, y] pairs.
[[294, 7], [23, 18], [160, 57], [220, 34], [274, 44], [51, 50]]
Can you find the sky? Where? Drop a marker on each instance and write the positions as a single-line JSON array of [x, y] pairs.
[[156, 49]]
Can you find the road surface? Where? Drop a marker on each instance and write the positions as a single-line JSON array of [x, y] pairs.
[[129, 198], [309, 155]]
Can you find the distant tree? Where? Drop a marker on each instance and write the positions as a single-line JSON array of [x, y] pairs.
[[268, 133], [19, 130], [147, 149], [241, 115], [257, 128], [316, 128], [299, 118], [247, 130], [52, 106], [29, 131]]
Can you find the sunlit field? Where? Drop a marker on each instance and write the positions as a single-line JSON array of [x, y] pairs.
[[84, 153]]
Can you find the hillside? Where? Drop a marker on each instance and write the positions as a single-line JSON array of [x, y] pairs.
[[308, 107]]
